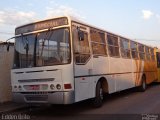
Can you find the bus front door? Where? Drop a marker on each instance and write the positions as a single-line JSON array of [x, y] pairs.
[[82, 64]]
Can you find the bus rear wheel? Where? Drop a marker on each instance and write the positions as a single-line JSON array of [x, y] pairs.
[[143, 85], [98, 100]]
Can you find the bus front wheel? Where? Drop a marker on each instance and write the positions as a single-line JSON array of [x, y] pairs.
[[98, 100]]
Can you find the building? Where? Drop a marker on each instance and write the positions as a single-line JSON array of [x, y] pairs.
[[6, 61]]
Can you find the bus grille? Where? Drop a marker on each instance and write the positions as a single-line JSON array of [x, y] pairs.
[[36, 97]]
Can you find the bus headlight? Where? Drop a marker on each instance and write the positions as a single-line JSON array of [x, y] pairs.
[[58, 86], [52, 87], [15, 87], [20, 87]]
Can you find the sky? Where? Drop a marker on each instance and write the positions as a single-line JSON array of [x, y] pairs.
[[135, 19]]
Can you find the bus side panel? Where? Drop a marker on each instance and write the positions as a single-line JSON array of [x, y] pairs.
[[121, 71], [147, 68], [158, 64], [138, 70], [101, 65], [101, 68], [150, 71], [86, 86]]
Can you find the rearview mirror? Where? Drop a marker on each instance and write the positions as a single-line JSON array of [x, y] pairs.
[[8, 45], [80, 35]]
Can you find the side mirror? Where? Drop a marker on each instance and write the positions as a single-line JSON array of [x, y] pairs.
[[8, 45], [80, 35]]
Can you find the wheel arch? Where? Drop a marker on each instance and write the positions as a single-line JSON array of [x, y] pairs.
[[104, 84]]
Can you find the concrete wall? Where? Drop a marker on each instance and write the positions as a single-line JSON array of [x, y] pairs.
[[6, 61]]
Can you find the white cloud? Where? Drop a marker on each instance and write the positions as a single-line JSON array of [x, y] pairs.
[[60, 10], [14, 17], [147, 14]]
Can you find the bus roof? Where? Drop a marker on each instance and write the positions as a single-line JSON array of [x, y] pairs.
[[74, 19], [83, 23]]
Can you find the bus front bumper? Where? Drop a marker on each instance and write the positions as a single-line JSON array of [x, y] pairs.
[[48, 98]]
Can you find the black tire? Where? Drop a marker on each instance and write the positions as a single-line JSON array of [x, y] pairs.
[[143, 85], [98, 100]]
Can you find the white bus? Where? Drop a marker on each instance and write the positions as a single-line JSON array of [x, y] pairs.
[[63, 61]]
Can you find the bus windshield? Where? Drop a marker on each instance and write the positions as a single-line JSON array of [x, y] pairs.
[[43, 49]]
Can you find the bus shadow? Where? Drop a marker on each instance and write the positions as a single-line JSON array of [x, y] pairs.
[[154, 84], [129, 92], [80, 107]]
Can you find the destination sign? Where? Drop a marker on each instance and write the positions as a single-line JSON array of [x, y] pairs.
[[41, 25]]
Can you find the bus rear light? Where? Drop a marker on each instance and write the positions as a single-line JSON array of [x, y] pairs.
[[52, 87], [58, 86], [67, 86]]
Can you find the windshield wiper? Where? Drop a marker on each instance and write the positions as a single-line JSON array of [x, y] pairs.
[[44, 40], [26, 47], [35, 51]]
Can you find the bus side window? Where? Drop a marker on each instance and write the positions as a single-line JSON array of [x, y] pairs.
[[141, 51], [152, 54], [134, 50], [158, 59], [113, 46], [125, 48], [81, 47], [98, 42], [148, 56]]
